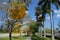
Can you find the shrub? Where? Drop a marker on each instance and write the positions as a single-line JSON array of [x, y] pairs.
[[37, 38]]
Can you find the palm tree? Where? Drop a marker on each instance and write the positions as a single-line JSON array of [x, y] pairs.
[[33, 27], [41, 17], [46, 6], [37, 14], [41, 24]]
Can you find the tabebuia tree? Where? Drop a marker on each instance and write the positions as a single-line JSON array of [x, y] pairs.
[[17, 11], [16, 28]]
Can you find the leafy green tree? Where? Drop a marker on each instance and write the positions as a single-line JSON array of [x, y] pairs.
[[48, 30], [33, 27]]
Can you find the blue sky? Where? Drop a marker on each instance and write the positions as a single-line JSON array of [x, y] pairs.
[[47, 22]]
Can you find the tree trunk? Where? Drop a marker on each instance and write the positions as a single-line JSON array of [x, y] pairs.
[[52, 26], [7, 21], [27, 33], [33, 33], [10, 29], [10, 36], [44, 30], [10, 33], [41, 31]]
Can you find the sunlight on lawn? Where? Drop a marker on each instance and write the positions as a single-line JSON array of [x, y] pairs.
[[14, 38], [48, 38]]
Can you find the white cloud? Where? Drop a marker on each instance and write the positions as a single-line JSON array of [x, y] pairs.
[[47, 17], [58, 15], [56, 11], [34, 19], [27, 12]]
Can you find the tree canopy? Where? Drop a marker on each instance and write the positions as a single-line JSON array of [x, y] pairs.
[[17, 10]]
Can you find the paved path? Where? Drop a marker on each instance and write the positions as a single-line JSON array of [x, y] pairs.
[[7, 34], [28, 38], [56, 34], [4, 34]]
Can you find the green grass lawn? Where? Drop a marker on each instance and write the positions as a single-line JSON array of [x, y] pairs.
[[48, 38], [39, 38], [14, 38], [23, 38]]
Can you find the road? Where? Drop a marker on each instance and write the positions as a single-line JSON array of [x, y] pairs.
[[56, 34], [7, 35]]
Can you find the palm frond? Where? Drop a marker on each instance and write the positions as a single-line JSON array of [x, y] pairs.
[[44, 6], [59, 3], [56, 4], [41, 2]]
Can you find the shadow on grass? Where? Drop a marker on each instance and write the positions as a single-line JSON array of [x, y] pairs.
[[15, 38], [39, 38]]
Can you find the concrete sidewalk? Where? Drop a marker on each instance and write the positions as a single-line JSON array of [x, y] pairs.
[[7, 34], [28, 38]]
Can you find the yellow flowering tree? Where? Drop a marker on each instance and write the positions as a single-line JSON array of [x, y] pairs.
[[17, 10], [17, 27]]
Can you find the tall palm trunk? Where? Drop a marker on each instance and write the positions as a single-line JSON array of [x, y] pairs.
[[52, 26], [44, 30], [40, 31]]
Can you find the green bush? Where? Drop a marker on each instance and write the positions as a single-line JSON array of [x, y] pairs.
[[37, 38], [3, 31]]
